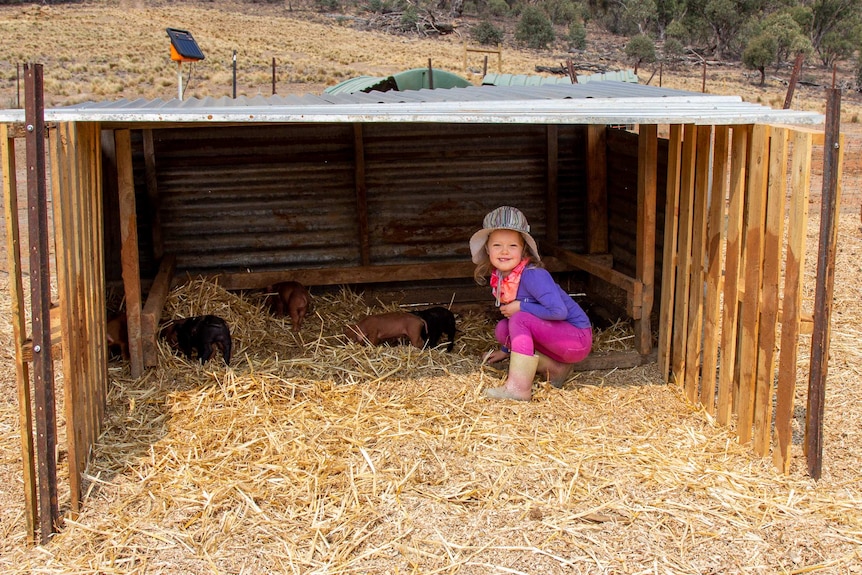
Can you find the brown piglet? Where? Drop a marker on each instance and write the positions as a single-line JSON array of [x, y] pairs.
[[387, 326], [118, 334], [293, 297]]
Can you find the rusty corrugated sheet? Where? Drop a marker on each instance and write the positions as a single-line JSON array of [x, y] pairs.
[[622, 203], [259, 198], [572, 197]]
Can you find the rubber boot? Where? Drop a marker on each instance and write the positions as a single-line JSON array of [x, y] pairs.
[[556, 372], [519, 383]]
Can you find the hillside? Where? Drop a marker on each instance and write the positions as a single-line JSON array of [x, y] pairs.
[[111, 50]]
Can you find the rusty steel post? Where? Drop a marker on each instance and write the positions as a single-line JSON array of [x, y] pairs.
[[40, 298], [823, 288], [794, 78]]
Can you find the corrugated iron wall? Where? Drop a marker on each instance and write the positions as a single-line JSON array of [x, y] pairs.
[[429, 186], [266, 198], [571, 179], [256, 197]]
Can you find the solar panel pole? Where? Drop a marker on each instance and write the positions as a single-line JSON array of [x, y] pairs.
[[180, 79]]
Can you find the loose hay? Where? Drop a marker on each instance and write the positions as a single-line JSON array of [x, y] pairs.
[[312, 454]]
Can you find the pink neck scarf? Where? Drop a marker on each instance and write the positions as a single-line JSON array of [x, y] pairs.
[[506, 289]]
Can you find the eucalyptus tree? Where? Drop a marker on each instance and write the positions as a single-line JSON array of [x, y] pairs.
[[833, 20], [836, 28]]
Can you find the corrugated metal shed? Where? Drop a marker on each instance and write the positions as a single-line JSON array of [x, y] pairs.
[[525, 80], [603, 103], [385, 186], [415, 79]]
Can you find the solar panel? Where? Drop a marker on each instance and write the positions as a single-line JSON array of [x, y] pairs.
[[184, 45]]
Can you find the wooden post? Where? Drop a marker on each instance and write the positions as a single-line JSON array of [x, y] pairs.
[[129, 249], [669, 257], [752, 277], [273, 76], [570, 68], [829, 202], [793, 283], [768, 333], [713, 268], [732, 265], [597, 190], [40, 290], [152, 312], [682, 281], [646, 219], [694, 325]]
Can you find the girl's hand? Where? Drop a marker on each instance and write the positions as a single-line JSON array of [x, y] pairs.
[[510, 309]]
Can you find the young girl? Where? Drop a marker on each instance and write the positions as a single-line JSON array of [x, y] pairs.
[[544, 330]]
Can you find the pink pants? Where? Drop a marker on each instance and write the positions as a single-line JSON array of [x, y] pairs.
[[526, 334]]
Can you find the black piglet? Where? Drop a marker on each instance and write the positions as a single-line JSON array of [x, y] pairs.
[[199, 334], [439, 321]]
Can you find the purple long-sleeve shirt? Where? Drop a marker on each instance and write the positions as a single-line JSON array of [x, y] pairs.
[[541, 296]]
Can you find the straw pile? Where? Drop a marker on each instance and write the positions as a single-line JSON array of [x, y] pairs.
[[310, 454]]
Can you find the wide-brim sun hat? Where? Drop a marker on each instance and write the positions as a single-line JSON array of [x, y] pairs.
[[503, 218]]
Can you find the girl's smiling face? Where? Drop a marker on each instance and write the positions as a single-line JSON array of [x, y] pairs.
[[505, 249]]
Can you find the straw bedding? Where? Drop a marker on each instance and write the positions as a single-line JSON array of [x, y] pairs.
[[313, 455]]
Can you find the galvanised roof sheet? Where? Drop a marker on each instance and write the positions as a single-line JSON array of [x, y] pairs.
[[526, 80], [590, 103]]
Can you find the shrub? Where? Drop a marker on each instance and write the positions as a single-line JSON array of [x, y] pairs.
[[677, 31], [673, 50], [379, 6], [487, 34], [327, 5], [562, 11], [641, 49], [409, 19], [499, 8], [577, 35], [534, 29]]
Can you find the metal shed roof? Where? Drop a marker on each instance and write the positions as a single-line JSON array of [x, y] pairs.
[[590, 103], [525, 80]]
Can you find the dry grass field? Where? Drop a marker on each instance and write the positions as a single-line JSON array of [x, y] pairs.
[[311, 456]]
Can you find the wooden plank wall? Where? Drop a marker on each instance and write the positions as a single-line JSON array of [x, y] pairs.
[[78, 228], [726, 340]]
